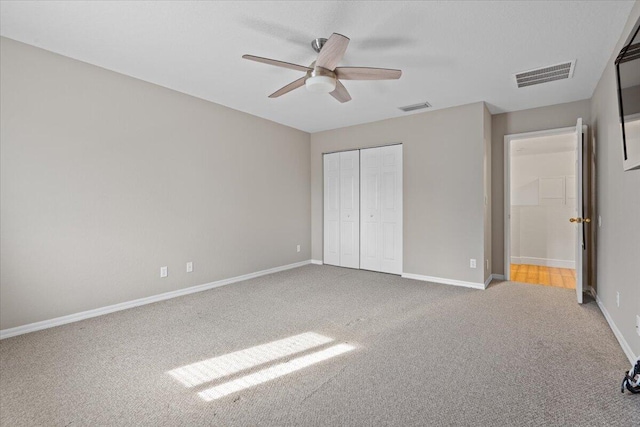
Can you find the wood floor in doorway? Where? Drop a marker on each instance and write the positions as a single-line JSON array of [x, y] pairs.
[[547, 276]]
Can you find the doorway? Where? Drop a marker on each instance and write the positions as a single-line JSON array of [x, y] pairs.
[[544, 225]]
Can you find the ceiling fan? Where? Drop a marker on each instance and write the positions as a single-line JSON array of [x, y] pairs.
[[324, 75]]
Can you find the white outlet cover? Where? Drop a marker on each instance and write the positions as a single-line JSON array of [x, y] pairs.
[[164, 271], [189, 267], [472, 263]]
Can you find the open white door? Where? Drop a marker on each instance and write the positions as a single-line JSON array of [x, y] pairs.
[[578, 218]]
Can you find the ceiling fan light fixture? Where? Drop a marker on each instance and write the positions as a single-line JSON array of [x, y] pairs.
[[320, 84]]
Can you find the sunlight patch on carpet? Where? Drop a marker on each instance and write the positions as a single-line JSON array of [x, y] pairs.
[[273, 372], [208, 370]]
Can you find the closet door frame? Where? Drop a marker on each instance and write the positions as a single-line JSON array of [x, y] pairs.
[[332, 261]]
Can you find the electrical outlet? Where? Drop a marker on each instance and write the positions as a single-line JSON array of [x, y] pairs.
[[298, 248], [618, 299], [487, 265], [472, 263], [164, 271], [190, 267], [638, 324]]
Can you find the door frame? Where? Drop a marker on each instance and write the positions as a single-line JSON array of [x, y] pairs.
[[507, 183]]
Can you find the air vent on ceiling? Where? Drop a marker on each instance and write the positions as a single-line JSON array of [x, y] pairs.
[[632, 52], [414, 107], [546, 74]]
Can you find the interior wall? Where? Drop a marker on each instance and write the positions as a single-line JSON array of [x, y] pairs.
[[106, 178], [443, 186], [540, 231], [535, 119], [618, 203]]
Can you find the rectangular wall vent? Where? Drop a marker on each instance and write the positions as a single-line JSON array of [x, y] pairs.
[[414, 107], [546, 74]]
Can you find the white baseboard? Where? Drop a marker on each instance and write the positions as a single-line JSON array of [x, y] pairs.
[[498, 276], [444, 281], [488, 281], [623, 343], [37, 326], [546, 262], [316, 261]]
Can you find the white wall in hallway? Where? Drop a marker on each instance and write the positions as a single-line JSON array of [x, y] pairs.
[[543, 200]]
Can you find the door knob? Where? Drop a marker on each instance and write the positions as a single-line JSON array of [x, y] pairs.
[[587, 220]]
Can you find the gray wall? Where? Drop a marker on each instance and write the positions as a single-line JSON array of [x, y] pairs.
[[551, 117], [105, 178], [443, 186], [618, 202]]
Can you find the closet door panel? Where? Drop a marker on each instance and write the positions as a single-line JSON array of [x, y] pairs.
[[331, 227], [370, 168], [391, 210], [350, 209], [381, 216]]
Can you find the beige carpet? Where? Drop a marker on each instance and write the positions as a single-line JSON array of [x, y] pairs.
[[423, 354]]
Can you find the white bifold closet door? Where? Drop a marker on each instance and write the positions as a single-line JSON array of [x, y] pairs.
[[381, 209], [342, 209]]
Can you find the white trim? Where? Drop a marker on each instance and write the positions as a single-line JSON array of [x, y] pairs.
[[488, 281], [37, 326], [491, 278], [443, 281], [316, 261], [507, 184], [623, 343], [547, 262]]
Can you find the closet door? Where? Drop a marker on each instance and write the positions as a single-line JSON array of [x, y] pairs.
[[350, 209], [381, 209], [332, 209]]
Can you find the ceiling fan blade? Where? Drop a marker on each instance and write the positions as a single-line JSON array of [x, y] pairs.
[[288, 88], [332, 51], [367, 73], [276, 63], [340, 93]]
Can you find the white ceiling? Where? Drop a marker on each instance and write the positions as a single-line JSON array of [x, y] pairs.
[[543, 145], [451, 53]]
